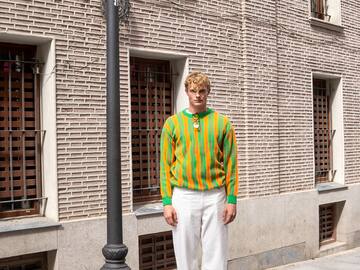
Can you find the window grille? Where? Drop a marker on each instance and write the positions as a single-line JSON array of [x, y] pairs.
[[322, 139], [27, 262], [20, 135], [157, 251], [151, 104], [327, 223]]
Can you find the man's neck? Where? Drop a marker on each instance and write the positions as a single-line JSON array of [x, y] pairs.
[[196, 110]]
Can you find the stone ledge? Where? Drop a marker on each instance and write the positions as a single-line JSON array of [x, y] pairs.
[[326, 25], [27, 223], [149, 210], [330, 186]]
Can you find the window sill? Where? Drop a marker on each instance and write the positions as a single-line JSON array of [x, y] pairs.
[[331, 186], [326, 25], [28, 223], [149, 209]]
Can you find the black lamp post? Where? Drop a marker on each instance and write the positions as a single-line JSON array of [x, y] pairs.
[[114, 251]]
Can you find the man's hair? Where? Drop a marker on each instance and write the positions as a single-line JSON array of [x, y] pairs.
[[198, 78]]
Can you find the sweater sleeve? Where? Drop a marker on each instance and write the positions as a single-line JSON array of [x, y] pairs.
[[230, 163], [167, 156]]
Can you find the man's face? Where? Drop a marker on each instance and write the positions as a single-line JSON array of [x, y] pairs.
[[197, 94]]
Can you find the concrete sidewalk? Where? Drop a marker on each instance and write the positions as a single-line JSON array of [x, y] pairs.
[[347, 260]]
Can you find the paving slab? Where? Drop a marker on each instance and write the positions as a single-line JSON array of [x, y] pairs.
[[347, 260]]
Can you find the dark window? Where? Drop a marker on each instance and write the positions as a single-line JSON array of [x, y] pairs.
[[156, 251], [151, 104], [322, 131], [26, 262], [319, 9], [327, 220], [20, 180]]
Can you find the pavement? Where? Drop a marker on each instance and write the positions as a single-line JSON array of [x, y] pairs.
[[346, 260]]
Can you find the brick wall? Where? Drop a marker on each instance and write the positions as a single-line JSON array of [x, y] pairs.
[[281, 50], [259, 55], [304, 48], [79, 30], [351, 69], [210, 33]]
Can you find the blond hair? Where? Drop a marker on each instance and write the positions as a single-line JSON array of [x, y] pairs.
[[197, 78]]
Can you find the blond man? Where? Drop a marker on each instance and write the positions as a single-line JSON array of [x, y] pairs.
[[199, 179]]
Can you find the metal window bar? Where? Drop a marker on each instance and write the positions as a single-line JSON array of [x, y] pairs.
[[20, 134], [151, 98], [149, 160], [10, 138], [156, 251], [322, 136]]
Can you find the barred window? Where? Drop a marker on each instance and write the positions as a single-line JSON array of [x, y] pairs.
[[20, 135], [26, 262], [326, 10], [156, 251], [318, 9], [151, 103], [327, 221], [322, 131]]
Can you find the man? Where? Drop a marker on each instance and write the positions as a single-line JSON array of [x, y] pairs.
[[199, 179]]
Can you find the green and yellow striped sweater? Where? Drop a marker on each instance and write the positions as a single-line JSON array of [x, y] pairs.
[[201, 158]]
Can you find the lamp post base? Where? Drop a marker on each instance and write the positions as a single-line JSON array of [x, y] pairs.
[[115, 257]]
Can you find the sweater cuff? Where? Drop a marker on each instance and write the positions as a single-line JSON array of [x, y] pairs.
[[166, 201], [231, 199]]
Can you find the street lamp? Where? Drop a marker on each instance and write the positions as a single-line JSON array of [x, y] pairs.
[[114, 251]]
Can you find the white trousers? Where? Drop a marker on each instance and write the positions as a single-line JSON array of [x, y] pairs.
[[200, 224]]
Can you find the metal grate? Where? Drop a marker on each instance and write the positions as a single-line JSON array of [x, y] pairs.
[[322, 145], [20, 180], [28, 262], [327, 224], [156, 251], [151, 104]]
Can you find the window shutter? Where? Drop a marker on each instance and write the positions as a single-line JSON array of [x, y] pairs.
[[20, 180], [156, 251], [321, 131], [26, 262], [327, 223], [151, 104]]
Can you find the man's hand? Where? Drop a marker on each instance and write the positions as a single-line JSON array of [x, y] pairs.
[[170, 215], [229, 213]]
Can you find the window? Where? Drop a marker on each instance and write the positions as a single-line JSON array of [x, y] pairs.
[[328, 129], [27, 262], [322, 131], [319, 9], [156, 251], [151, 103], [326, 10], [327, 224], [20, 135], [331, 227]]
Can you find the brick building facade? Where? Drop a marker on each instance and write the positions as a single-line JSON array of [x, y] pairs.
[[287, 75]]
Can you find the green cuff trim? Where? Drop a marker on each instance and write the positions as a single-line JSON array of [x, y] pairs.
[[231, 199], [166, 201]]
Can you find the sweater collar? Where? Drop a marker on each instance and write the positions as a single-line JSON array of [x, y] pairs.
[[201, 114]]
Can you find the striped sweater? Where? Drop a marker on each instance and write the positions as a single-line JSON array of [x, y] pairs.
[[201, 158]]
